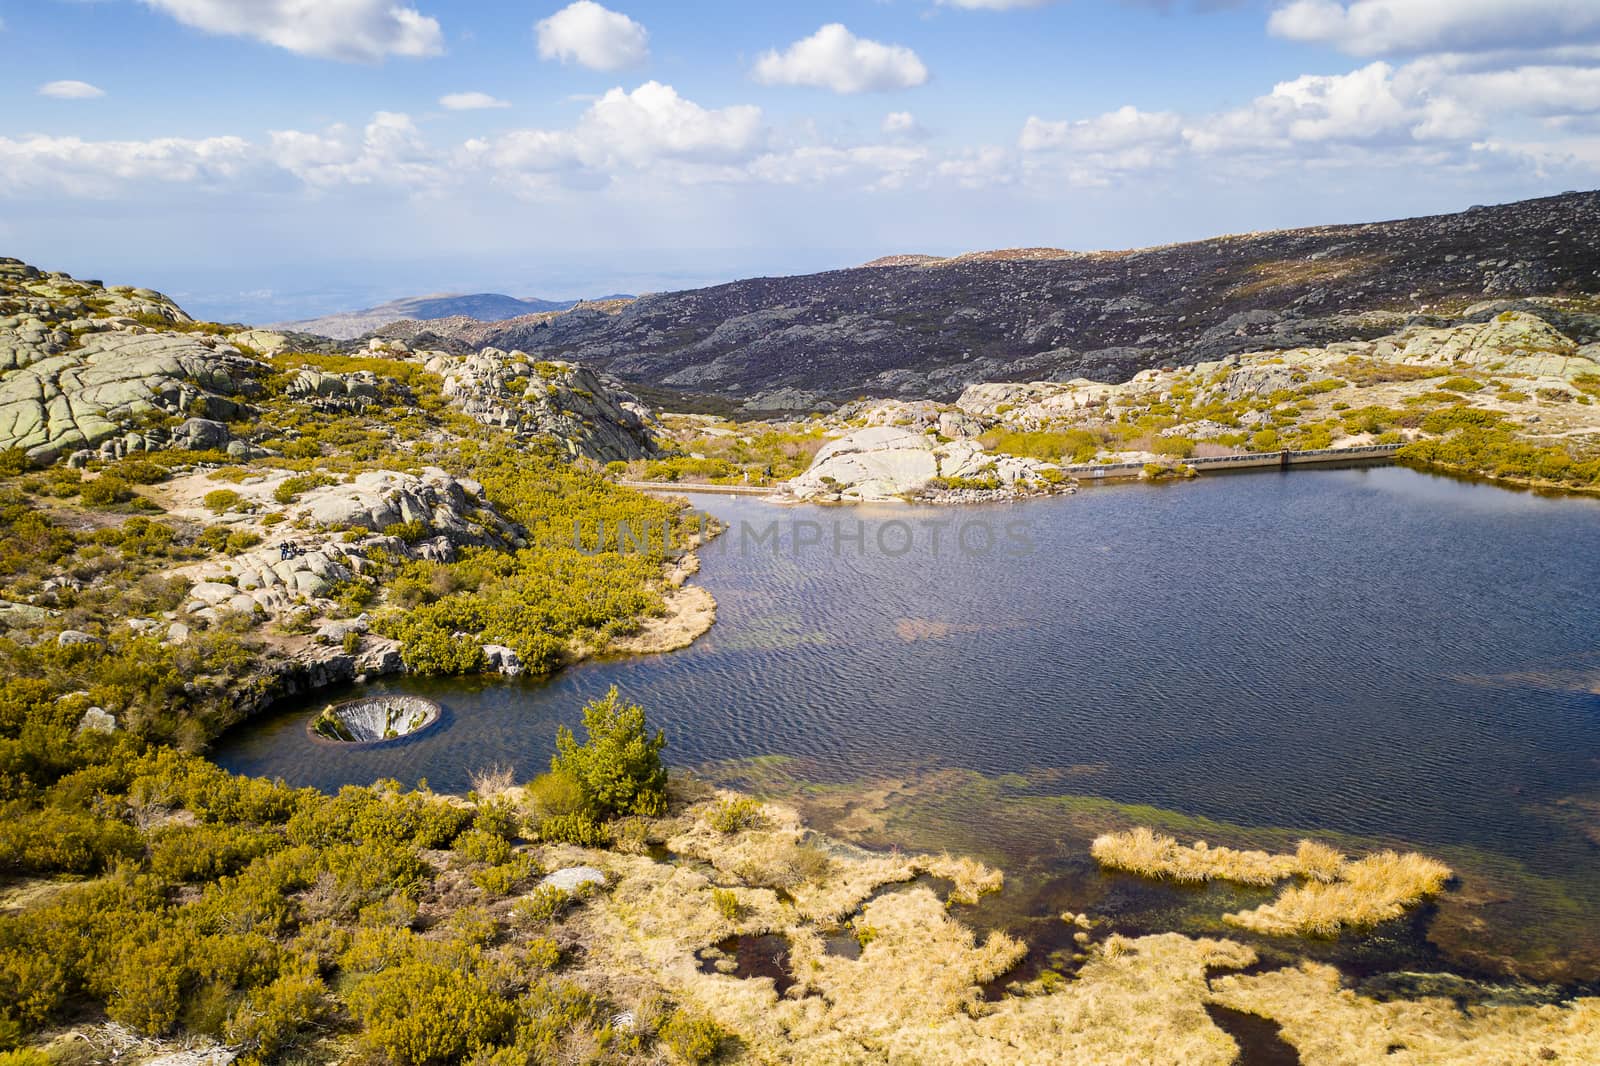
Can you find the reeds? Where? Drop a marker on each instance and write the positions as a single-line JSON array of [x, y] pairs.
[[913, 995], [1335, 893], [1330, 1025], [1367, 891], [1149, 854]]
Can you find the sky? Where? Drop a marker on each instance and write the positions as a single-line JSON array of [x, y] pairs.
[[262, 160]]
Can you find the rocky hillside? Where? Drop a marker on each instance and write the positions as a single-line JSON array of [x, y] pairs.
[[91, 372], [463, 333], [914, 326], [480, 307]]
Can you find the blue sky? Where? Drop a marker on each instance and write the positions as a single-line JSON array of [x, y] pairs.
[[260, 164]]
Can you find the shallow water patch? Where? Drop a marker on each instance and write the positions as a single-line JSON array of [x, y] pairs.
[[766, 955], [1260, 1040]]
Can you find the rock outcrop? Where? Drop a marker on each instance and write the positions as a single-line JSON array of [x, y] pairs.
[[592, 416], [378, 499], [97, 391], [1512, 342], [83, 366], [299, 562], [895, 462]]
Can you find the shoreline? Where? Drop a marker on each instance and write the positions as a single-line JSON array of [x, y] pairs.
[[778, 497]]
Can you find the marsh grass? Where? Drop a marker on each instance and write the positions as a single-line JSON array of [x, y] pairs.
[[1334, 893], [1149, 854], [1330, 1025], [1366, 892]]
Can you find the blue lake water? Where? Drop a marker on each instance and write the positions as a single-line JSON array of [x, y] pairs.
[[1374, 651]]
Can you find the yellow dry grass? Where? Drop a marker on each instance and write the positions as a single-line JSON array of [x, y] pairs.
[[1150, 854], [1367, 891], [1336, 893], [827, 880], [913, 995], [1333, 1026]]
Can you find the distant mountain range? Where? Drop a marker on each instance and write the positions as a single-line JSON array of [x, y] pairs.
[[916, 326], [480, 306]]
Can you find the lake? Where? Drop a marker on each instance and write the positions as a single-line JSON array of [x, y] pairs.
[[1371, 652]]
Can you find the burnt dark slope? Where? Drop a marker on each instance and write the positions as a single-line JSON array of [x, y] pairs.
[[928, 330]]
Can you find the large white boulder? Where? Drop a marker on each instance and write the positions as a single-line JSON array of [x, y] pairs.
[[895, 462], [877, 463]]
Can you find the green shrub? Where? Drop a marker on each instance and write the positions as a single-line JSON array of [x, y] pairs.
[[1069, 446], [727, 904], [289, 489], [680, 467], [138, 471], [579, 829], [732, 815], [147, 983], [691, 1037], [64, 841], [273, 1014], [541, 906], [1496, 453], [506, 877], [410, 532], [220, 501], [476, 845], [553, 794], [1178, 447], [433, 652], [423, 1012], [1450, 418], [205, 852], [26, 1056], [618, 766], [106, 490]]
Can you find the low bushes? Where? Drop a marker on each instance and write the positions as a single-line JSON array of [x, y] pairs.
[[1069, 446], [1496, 453], [732, 815]]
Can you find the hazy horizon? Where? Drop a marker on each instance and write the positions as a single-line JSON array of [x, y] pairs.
[[263, 165]]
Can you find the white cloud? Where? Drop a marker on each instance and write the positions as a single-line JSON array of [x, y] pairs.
[[390, 151], [1390, 27], [978, 168], [1542, 90], [94, 169], [902, 124], [629, 131], [834, 58], [1093, 151], [1355, 106], [1125, 127], [592, 36], [874, 167], [352, 30], [1364, 106], [71, 90], [471, 102]]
